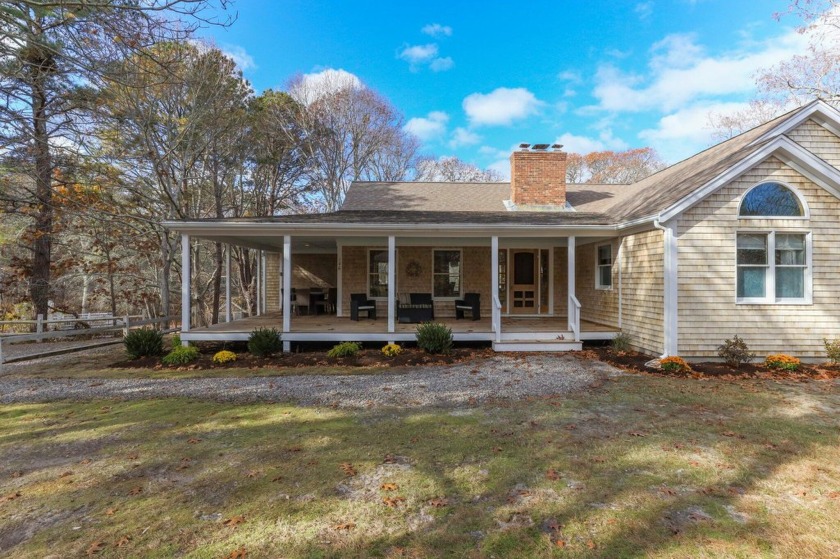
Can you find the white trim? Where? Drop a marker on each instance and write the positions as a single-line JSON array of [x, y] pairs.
[[287, 285], [806, 210], [619, 258], [392, 280], [460, 294], [670, 265], [770, 284], [263, 275], [826, 116], [570, 270], [598, 265], [782, 147], [258, 279], [495, 311], [551, 281], [186, 280]]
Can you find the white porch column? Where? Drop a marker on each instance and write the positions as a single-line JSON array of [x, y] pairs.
[[287, 289], [572, 314], [495, 308], [186, 275], [257, 282], [392, 276], [227, 285], [339, 297], [671, 318], [263, 278]]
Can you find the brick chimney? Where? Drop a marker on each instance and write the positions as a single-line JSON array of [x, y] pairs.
[[538, 175]]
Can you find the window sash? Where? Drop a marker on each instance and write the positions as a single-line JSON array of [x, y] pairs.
[[447, 274], [603, 277], [785, 278], [377, 273]]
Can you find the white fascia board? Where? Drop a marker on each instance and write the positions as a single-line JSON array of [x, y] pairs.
[[819, 110], [782, 147]]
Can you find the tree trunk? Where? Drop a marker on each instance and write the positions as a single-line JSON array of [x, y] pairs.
[[39, 287]]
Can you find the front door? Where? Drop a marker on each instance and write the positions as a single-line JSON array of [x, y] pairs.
[[523, 288]]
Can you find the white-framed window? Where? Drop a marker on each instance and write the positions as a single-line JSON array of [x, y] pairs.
[[447, 273], [378, 273], [772, 200], [773, 267], [604, 264]]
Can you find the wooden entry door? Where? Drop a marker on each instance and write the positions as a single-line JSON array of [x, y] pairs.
[[523, 285]]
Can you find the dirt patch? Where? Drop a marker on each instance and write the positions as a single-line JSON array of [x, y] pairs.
[[367, 358], [637, 362]]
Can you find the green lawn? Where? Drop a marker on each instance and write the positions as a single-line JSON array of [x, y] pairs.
[[641, 466]]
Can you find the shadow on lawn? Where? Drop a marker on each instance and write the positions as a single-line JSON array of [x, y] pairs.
[[625, 483]]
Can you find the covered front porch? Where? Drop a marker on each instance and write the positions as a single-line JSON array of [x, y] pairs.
[[534, 290]]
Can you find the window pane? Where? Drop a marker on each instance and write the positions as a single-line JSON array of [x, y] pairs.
[[751, 282], [378, 272], [445, 260], [605, 276], [752, 249], [378, 259], [447, 273], [790, 283], [605, 254], [790, 250], [447, 286], [771, 199]]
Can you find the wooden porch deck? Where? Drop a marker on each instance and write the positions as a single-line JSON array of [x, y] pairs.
[[329, 328]]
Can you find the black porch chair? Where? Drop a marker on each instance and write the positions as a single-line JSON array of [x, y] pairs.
[[359, 302], [471, 303]]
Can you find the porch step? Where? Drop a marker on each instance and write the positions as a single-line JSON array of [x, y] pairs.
[[538, 345], [537, 336]]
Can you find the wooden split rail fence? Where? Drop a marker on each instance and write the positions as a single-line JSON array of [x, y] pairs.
[[46, 329]]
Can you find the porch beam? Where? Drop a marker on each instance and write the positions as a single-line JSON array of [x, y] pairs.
[[287, 289], [227, 284], [392, 276], [186, 275]]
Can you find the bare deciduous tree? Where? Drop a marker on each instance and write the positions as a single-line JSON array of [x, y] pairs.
[[613, 167], [452, 169]]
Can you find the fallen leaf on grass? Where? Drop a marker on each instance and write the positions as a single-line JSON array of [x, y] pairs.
[[133, 456], [135, 490], [834, 495], [86, 461], [252, 473], [636, 434], [571, 427], [390, 459], [728, 433], [497, 449], [552, 474], [599, 459], [393, 501], [234, 520], [17, 474], [591, 545], [123, 541], [110, 512], [560, 543], [667, 491], [348, 469], [193, 440], [11, 496], [237, 554], [345, 526], [295, 449], [65, 474], [276, 479], [95, 548], [439, 502], [389, 487]]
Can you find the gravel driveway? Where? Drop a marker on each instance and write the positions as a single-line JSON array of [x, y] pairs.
[[499, 377]]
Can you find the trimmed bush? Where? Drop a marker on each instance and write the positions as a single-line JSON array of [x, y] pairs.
[[344, 349], [735, 352], [782, 362], [832, 349], [143, 342], [181, 355], [264, 342], [674, 365], [223, 357], [621, 342], [434, 337], [391, 350]]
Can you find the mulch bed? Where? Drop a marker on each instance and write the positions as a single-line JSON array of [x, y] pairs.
[[635, 362], [366, 358]]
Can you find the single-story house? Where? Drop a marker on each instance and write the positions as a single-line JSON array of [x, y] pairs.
[[741, 238]]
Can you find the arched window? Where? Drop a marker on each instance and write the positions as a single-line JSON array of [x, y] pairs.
[[771, 199]]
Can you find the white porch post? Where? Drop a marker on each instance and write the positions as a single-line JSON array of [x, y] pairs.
[[257, 279], [339, 297], [227, 285], [572, 315], [263, 278], [287, 289], [495, 309], [185, 285], [392, 276], [671, 318]]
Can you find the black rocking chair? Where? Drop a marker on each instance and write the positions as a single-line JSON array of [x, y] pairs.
[[471, 303], [359, 302]]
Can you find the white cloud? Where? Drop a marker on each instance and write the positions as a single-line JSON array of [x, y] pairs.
[[644, 10], [309, 87], [681, 72], [430, 127], [442, 64], [501, 106], [586, 144], [419, 54], [436, 30], [463, 137], [240, 56], [502, 166]]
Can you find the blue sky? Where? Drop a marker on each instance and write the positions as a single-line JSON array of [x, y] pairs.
[[475, 79]]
